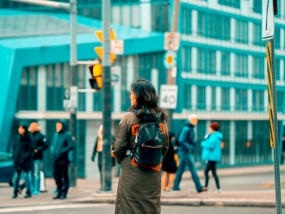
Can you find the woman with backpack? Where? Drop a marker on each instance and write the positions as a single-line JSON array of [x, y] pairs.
[[139, 187]]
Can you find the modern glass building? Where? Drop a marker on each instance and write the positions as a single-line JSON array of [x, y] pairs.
[[221, 70]]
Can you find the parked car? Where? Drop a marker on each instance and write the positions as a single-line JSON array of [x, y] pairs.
[[6, 168]]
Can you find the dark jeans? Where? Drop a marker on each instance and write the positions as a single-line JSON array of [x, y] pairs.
[[211, 165], [28, 180], [61, 177], [186, 160]]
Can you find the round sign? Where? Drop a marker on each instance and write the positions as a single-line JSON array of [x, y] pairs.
[[171, 41], [169, 59]]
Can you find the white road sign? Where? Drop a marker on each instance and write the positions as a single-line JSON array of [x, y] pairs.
[[267, 20], [70, 98], [117, 46], [168, 96]]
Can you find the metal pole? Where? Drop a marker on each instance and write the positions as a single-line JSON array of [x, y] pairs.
[[171, 73], [274, 137], [106, 184], [73, 71]]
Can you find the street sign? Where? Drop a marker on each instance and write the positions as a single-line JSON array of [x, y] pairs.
[[169, 59], [116, 75], [117, 46], [70, 99], [171, 41], [168, 96], [267, 20]]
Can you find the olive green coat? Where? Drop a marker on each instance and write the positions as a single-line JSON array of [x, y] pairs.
[[139, 188]]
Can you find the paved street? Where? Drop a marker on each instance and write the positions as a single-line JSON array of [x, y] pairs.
[[107, 208], [245, 190]]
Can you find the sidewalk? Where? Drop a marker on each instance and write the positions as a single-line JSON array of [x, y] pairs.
[[250, 195]]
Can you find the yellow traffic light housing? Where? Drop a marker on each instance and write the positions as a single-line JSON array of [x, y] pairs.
[[96, 82]]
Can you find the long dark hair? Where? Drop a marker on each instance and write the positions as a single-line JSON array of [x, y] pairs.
[[147, 101]]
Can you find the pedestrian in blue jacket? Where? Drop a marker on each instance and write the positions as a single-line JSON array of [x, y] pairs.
[[212, 153], [186, 149]]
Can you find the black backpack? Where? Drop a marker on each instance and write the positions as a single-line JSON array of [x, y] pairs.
[[150, 142]]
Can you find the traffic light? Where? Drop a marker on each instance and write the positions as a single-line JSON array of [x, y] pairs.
[[96, 82]]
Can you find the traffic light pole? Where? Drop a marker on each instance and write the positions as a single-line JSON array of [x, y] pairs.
[[106, 184], [171, 73], [73, 70]]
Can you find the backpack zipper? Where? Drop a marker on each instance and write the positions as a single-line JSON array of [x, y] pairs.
[[153, 147]]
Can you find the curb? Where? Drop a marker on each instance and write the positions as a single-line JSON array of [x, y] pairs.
[[193, 202]]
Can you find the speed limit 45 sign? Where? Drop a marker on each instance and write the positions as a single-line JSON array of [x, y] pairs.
[[168, 96]]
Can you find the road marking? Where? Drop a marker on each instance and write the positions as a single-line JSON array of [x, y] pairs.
[[49, 207], [266, 185]]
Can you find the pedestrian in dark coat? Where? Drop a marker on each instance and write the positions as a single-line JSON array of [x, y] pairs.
[[40, 145], [169, 166], [23, 159], [139, 187], [62, 146]]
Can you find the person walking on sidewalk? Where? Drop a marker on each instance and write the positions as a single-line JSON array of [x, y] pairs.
[[40, 145], [186, 148], [61, 147], [169, 165], [23, 160], [212, 153], [139, 187], [98, 149]]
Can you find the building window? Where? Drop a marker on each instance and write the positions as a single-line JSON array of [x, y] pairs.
[[258, 100], [277, 69], [55, 87], [225, 63], [257, 40], [214, 26], [258, 67], [187, 97], [241, 31], [277, 37], [241, 65], [230, 3], [186, 27], [241, 99], [280, 101], [160, 17], [206, 61], [186, 59], [257, 6], [27, 95], [201, 98], [213, 100], [225, 105]]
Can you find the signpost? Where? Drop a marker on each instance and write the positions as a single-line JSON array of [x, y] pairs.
[[268, 34], [171, 43]]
